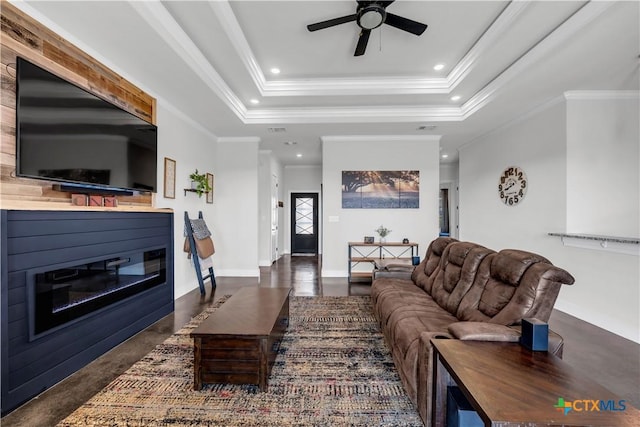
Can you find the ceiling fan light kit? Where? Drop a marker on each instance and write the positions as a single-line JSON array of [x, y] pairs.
[[371, 15]]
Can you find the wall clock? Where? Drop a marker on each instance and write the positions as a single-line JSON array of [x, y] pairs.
[[512, 186]]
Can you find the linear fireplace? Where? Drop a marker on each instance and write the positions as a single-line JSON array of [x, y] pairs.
[[64, 295]]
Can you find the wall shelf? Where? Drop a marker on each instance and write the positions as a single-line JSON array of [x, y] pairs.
[[192, 190], [625, 245]]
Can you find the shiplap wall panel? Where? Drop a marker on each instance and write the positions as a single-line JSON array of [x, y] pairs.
[[37, 241], [23, 36]]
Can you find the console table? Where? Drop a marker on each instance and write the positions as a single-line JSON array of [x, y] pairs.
[[509, 385], [370, 253]]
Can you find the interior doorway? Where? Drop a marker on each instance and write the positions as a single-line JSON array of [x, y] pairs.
[[304, 223]]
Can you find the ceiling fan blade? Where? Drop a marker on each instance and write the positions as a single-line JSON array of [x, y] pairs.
[[405, 24], [362, 42], [331, 22]]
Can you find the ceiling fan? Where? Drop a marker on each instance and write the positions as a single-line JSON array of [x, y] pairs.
[[370, 15]]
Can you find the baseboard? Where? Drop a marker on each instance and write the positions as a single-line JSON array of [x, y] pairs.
[[238, 273], [334, 273]]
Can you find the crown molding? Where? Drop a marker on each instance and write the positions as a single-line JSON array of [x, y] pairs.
[[362, 86], [354, 114], [581, 18], [380, 138], [159, 18], [57, 29], [230, 25], [601, 95], [494, 32]]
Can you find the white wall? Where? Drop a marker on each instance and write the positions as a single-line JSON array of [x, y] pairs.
[[173, 126], [236, 199], [602, 160], [300, 179], [606, 289], [377, 153]]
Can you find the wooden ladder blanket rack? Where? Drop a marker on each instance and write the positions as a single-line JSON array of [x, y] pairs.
[[193, 250]]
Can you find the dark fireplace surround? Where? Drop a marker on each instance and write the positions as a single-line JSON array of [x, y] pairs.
[[74, 285]]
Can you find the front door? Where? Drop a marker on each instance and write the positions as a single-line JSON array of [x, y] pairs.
[[304, 223]]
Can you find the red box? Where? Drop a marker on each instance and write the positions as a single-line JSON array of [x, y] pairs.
[[95, 200], [79, 200], [110, 201]]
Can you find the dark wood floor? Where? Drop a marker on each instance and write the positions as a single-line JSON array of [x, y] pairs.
[[607, 358]]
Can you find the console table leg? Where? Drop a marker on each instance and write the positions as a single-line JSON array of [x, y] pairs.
[[441, 379]]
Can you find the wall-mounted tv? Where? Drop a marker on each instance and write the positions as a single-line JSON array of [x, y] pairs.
[[66, 134]]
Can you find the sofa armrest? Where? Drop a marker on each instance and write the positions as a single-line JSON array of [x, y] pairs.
[[483, 331]]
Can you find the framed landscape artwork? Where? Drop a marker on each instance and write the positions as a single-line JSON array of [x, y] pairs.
[[380, 189]]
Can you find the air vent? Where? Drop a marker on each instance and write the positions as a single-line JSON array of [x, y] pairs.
[[277, 130]]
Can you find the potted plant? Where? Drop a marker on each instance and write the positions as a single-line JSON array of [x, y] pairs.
[[199, 183], [383, 232]]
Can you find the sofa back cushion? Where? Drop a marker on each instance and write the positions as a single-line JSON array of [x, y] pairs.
[[425, 272], [512, 285], [456, 273]]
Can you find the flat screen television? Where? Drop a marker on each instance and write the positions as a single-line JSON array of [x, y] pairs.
[[68, 135]]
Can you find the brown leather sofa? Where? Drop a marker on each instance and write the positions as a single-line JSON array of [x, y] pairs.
[[465, 291]]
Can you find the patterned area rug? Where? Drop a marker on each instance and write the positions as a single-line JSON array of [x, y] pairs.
[[333, 369]]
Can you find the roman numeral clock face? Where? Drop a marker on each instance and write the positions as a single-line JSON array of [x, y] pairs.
[[512, 186]]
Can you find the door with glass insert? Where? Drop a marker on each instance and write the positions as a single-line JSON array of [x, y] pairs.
[[304, 223]]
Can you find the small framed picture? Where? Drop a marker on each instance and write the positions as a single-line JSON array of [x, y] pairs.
[[169, 178], [368, 239], [210, 193]]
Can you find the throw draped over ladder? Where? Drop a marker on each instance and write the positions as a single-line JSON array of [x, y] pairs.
[[198, 244]]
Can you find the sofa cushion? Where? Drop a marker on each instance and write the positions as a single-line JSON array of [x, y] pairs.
[[511, 285], [404, 329], [458, 266], [425, 272], [387, 295]]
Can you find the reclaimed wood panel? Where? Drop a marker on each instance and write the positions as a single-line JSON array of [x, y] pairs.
[[24, 36]]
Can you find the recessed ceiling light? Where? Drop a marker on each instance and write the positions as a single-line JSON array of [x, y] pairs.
[[254, 101], [298, 155], [444, 156], [455, 97], [438, 67], [275, 70]]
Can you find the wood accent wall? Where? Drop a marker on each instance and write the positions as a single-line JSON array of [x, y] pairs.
[[22, 36]]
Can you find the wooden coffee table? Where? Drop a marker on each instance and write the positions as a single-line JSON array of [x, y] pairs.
[[239, 342], [509, 385]]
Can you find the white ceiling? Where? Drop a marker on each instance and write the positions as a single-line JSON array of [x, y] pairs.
[[209, 58]]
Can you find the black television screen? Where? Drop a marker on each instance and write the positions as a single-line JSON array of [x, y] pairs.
[[67, 134]]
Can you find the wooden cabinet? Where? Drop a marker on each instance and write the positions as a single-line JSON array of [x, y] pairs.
[[363, 257]]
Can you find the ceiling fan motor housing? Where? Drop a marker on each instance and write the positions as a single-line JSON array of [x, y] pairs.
[[371, 16]]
